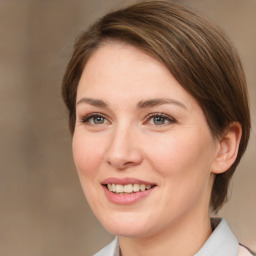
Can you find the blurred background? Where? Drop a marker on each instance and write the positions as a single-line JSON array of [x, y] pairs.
[[43, 211]]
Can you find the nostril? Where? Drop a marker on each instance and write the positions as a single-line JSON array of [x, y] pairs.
[[127, 165], [121, 164]]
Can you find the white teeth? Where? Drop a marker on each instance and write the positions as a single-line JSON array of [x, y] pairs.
[[148, 186], [110, 187], [119, 188], [129, 188], [136, 187], [142, 187]]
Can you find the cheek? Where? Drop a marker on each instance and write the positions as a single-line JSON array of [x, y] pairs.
[[168, 155], [87, 154], [184, 172], [174, 154], [88, 157]]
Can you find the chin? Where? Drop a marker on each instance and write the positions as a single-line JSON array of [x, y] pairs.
[[125, 225], [125, 231]]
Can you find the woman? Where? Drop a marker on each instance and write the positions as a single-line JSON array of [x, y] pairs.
[[159, 115]]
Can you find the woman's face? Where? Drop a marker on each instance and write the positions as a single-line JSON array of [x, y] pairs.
[[141, 134]]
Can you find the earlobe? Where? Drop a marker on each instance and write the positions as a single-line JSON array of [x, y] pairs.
[[228, 148]]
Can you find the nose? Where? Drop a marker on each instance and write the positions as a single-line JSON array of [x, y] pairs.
[[124, 150]]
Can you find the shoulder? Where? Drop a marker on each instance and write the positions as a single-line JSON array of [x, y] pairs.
[[244, 251], [222, 242]]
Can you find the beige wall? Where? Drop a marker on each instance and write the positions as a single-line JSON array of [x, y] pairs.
[[42, 208]]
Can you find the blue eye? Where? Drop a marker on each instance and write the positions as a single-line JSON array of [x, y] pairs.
[[98, 120], [160, 119], [94, 119]]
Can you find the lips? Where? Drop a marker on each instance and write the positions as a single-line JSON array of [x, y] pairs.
[[126, 190]]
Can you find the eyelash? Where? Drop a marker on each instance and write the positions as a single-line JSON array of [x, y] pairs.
[[161, 115], [86, 119]]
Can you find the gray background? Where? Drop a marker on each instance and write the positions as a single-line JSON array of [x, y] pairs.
[[42, 207]]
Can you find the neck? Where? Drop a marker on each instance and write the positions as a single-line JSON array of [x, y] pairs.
[[184, 238]]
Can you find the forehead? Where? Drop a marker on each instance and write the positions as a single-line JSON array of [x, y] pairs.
[[123, 77], [124, 58], [122, 68]]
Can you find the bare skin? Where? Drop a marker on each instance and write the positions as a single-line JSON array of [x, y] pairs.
[[134, 120]]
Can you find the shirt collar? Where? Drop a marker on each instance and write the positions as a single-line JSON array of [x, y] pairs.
[[111, 249], [222, 241]]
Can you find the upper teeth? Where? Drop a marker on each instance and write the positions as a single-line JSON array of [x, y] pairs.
[[129, 188]]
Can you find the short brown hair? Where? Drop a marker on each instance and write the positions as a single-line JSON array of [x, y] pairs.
[[197, 53]]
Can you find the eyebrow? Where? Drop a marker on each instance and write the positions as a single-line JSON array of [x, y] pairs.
[[93, 102], [161, 101], [141, 104]]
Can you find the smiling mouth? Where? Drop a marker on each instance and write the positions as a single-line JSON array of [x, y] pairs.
[[128, 188]]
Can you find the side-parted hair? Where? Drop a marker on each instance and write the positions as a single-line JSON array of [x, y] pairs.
[[196, 52]]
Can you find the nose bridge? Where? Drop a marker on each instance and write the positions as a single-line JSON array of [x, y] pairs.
[[120, 136], [123, 150]]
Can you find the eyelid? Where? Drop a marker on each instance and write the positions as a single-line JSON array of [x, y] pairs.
[[85, 118], [160, 114]]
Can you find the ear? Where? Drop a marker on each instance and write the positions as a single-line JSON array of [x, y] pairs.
[[228, 145]]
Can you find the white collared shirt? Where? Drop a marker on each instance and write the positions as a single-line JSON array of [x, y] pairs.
[[222, 242]]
